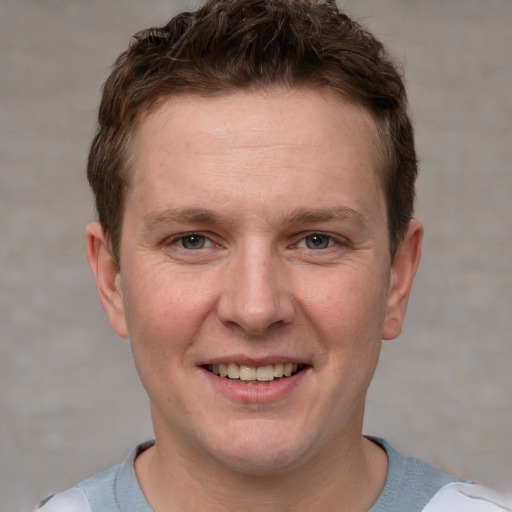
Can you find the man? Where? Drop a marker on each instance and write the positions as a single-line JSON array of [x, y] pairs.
[[254, 172]]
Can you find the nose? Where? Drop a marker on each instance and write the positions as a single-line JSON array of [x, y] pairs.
[[256, 293]]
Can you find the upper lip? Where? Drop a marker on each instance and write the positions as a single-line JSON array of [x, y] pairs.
[[254, 361]]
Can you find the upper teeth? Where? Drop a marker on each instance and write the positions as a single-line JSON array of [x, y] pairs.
[[260, 373]]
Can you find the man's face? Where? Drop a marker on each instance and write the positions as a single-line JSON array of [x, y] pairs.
[[255, 242]]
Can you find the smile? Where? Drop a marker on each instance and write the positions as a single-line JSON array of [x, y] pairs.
[[245, 373]]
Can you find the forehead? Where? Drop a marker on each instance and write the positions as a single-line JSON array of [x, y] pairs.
[[248, 141], [220, 117]]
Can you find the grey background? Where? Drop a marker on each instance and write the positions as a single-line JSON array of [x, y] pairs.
[[70, 401]]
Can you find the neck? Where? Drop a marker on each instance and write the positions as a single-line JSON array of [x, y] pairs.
[[343, 477]]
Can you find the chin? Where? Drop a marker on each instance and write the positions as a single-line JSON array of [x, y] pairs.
[[260, 462], [262, 450]]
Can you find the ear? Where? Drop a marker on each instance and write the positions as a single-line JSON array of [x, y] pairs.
[[107, 277], [403, 269]]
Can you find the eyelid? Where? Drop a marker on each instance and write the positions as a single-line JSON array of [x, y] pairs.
[[333, 239], [300, 238], [175, 239]]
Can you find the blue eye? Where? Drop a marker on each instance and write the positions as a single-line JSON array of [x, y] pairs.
[[318, 241], [192, 241]]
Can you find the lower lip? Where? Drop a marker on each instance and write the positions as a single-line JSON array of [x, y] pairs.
[[256, 393]]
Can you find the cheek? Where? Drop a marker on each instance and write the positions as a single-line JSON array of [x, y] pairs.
[[162, 326], [350, 302], [164, 312], [348, 317]]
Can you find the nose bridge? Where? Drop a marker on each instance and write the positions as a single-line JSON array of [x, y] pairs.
[[256, 295]]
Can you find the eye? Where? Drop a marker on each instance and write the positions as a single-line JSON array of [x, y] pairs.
[[318, 241], [192, 241]]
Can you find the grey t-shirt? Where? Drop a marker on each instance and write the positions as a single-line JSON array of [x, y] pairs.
[[410, 485]]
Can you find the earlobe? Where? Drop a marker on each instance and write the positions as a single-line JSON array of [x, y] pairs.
[[403, 269], [107, 277]]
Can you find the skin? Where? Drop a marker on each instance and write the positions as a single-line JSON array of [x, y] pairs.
[[255, 232]]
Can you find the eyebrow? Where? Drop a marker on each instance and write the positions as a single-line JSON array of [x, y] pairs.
[[206, 216], [310, 216], [192, 215]]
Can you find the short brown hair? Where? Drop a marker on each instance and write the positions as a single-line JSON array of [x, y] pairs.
[[230, 45]]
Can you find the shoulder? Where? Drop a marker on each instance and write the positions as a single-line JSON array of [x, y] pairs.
[[110, 490], [84, 496], [468, 497], [410, 483], [413, 486], [72, 500]]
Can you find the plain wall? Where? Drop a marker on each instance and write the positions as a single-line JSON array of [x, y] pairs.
[[70, 400]]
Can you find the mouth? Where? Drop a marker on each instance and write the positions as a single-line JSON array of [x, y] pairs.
[[255, 374]]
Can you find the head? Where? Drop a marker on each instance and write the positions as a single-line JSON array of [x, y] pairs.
[[249, 156], [228, 46]]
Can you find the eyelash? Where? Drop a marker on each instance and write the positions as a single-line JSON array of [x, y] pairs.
[[323, 236], [181, 239]]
